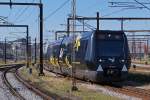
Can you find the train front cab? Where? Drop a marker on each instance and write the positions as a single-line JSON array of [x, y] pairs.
[[111, 55]]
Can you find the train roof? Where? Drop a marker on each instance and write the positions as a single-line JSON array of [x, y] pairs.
[[110, 31], [86, 35]]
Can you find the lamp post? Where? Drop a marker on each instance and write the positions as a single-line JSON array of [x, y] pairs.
[[5, 51], [35, 52]]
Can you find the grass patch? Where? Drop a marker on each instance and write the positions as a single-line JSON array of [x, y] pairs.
[[142, 61], [142, 78], [10, 62], [62, 86]]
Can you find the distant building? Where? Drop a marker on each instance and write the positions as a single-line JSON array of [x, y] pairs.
[[139, 49], [8, 50]]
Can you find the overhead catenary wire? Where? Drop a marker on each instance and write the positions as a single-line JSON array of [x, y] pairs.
[[87, 25], [130, 4], [142, 4], [52, 13], [22, 12], [56, 10], [27, 17], [92, 27], [9, 14], [117, 11]]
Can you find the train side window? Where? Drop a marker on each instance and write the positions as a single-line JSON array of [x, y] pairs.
[[101, 36], [82, 49], [117, 36]]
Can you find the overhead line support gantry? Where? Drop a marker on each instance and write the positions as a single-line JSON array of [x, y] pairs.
[[40, 5], [27, 41]]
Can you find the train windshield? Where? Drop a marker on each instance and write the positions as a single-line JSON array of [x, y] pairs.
[[109, 48]]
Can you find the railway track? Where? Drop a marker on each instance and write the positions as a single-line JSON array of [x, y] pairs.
[[140, 67], [5, 93], [127, 90], [32, 87], [12, 90], [132, 91], [17, 88]]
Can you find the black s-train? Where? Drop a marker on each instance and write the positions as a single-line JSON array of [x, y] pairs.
[[99, 56]]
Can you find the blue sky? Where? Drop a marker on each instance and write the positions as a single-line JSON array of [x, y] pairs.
[[28, 16]]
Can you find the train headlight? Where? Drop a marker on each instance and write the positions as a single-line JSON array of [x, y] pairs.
[[100, 60], [123, 60]]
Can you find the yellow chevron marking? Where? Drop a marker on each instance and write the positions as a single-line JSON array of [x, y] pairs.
[[56, 62], [52, 60], [77, 44], [67, 62]]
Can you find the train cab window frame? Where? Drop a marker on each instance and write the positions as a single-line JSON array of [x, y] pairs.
[[109, 36]]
